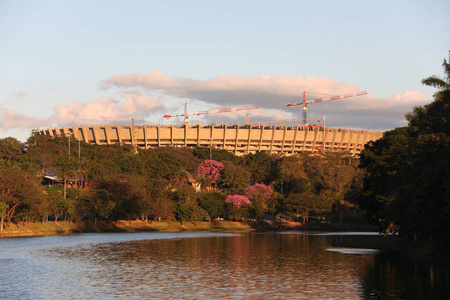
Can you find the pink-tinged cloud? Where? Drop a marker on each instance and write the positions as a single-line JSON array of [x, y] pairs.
[[266, 90], [103, 111], [274, 92], [107, 110], [10, 119]]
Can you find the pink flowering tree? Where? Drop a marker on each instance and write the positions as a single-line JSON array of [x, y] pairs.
[[210, 169], [239, 206], [237, 200], [260, 196]]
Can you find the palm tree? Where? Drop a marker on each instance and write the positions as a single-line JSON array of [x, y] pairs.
[[438, 82]]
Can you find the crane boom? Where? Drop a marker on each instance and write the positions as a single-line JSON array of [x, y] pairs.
[[282, 121], [212, 111], [305, 102]]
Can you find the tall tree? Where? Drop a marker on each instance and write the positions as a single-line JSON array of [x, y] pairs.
[[260, 196], [10, 149], [262, 166], [441, 83], [17, 190], [408, 174], [66, 168]]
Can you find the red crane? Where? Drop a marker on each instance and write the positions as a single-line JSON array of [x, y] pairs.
[[282, 121], [212, 111], [305, 103]]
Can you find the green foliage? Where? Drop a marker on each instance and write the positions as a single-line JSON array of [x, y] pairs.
[[301, 204], [189, 212], [98, 204], [156, 183], [262, 166], [126, 193], [19, 192], [221, 155], [213, 203], [236, 178], [161, 209], [407, 181], [10, 150]]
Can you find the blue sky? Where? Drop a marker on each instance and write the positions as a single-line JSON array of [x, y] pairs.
[[72, 63]]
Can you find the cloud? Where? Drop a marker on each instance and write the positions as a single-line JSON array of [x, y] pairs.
[[102, 111], [265, 90], [20, 95], [10, 119], [274, 92], [107, 110], [271, 93]]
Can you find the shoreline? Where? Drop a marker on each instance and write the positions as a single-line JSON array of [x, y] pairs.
[[391, 244], [32, 229]]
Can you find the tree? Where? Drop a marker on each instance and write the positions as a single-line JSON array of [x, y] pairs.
[[262, 167], [10, 149], [407, 181], [17, 190], [213, 203], [98, 204], [260, 195], [301, 204], [127, 192], [54, 204], [389, 174], [66, 168], [293, 177], [442, 84], [161, 208], [238, 200], [238, 206], [190, 212], [235, 177], [218, 154], [210, 168]]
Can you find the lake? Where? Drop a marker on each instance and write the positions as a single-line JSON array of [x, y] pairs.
[[279, 265]]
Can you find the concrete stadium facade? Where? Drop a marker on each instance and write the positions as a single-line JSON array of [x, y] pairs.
[[238, 139]]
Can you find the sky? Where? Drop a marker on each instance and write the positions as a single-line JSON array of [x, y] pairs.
[[75, 63]]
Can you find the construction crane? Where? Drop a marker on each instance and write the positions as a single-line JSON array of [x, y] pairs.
[[282, 121], [305, 103], [212, 111]]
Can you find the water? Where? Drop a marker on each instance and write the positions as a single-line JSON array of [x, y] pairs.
[[285, 265]]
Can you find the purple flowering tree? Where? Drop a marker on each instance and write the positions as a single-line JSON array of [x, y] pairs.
[[211, 169], [237, 200], [260, 196], [239, 205]]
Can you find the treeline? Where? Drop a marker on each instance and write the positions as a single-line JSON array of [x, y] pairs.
[[407, 186], [169, 183]]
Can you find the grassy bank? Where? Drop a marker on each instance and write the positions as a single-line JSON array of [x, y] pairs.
[[66, 227]]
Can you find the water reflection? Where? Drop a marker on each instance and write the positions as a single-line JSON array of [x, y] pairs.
[[354, 250], [203, 266]]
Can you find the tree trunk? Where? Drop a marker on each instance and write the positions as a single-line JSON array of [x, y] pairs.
[[65, 184], [10, 214]]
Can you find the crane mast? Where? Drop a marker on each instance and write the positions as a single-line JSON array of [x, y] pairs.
[[305, 103]]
